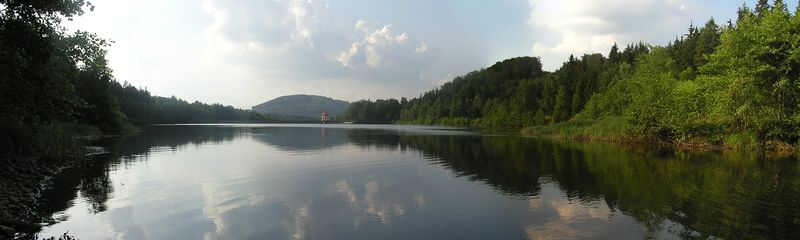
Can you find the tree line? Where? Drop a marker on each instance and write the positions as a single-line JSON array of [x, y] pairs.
[[512, 93], [381, 111], [736, 84], [55, 85], [142, 108]]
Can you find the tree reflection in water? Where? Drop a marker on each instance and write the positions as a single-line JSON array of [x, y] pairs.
[[694, 195], [707, 194]]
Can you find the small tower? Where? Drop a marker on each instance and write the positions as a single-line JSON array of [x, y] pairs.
[[325, 117]]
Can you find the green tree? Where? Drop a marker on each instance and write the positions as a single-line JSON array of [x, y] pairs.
[[561, 108], [755, 60], [43, 73]]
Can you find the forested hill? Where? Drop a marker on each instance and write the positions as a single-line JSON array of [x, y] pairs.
[[517, 92], [735, 84], [310, 106], [142, 108]]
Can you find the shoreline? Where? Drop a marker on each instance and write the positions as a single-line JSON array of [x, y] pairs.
[[770, 148], [24, 181]]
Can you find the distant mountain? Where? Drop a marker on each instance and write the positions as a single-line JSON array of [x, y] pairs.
[[303, 106]]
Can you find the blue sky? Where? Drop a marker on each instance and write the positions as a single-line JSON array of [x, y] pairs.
[[244, 52]]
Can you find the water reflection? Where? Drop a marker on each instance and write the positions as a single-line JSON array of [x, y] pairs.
[[219, 182], [709, 194], [300, 139], [89, 181]]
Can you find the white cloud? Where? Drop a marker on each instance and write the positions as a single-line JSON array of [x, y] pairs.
[[299, 48], [304, 50], [386, 36], [373, 58], [423, 47], [301, 12], [381, 41], [346, 56], [262, 25], [208, 50], [590, 216], [363, 25], [586, 26]]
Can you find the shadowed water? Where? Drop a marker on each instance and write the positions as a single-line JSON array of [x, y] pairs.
[[403, 182]]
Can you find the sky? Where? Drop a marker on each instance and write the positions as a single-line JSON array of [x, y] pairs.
[[244, 52]]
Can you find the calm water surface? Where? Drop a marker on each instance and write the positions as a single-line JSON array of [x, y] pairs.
[[404, 182]]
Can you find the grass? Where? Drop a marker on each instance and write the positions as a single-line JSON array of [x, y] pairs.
[[617, 129], [607, 129], [744, 140]]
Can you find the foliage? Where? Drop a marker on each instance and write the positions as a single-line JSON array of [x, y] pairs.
[[49, 78], [517, 92], [738, 85], [379, 111], [141, 108], [757, 68], [54, 85]]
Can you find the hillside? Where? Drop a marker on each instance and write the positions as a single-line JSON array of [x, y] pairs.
[[517, 92], [141, 108], [302, 105], [733, 86]]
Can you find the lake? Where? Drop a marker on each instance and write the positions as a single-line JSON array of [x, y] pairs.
[[277, 181]]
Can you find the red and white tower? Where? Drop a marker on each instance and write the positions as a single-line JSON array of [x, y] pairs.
[[325, 117]]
